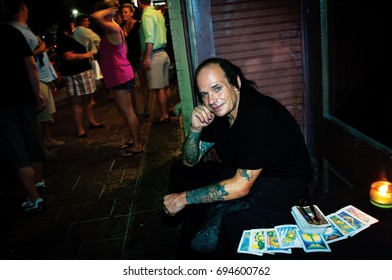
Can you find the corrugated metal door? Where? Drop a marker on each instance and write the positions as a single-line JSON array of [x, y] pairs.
[[263, 38]]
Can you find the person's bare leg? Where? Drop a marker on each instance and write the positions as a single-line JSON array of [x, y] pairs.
[[89, 103], [27, 178], [168, 93], [145, 91], [78, 114], [37, 167], [47, 135], [124, 104], [162, 100], [146, 99]]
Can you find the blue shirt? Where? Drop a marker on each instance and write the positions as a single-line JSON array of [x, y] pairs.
[[46, 71]]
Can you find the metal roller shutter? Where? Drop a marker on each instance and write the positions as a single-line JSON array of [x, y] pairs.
[[263, 38]]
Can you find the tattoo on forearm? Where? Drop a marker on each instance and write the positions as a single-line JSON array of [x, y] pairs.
[[194, 149], [204, 147], [191, 147], [247, 174], [214, 192]]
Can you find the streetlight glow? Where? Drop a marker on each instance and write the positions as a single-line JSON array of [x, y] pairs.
[[75, 12]]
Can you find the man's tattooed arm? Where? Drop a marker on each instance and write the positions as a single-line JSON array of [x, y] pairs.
[[214, 192], [194, 149], [232, 188]]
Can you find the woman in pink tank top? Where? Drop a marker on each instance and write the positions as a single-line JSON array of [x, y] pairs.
[[117, 71]]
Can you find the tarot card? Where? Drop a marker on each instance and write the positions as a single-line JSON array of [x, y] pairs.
[[344, 227], [310, 216], [288, 236], [352, 221], [243, 247], [333, 234], [313, 242], [355, 212], [257, 241], [272, 243]]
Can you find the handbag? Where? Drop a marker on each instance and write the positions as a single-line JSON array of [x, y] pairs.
[[96, 70]]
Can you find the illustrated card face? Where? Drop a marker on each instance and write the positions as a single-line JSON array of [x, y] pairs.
[[243, 247], [313, 242], [310, 215], [355, 212], [352, 221], [288, 236], [257, 241], [272, 243], [333, 234], [304, 212], [320, 216], [344, 227]]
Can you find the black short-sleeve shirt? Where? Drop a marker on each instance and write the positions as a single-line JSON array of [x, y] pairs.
[[264, 135], [71, 67], [13, 67]]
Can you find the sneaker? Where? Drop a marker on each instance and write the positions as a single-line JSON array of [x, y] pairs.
[[37, 206], [41, 187]]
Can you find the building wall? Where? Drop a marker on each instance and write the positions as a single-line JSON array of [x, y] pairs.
[[181, 60]]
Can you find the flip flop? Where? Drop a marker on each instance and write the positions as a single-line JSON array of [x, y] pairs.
[[97, 126], [126, 145], [128, 153], [83, 135]]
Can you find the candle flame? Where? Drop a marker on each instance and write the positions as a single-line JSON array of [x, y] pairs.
[[383, 189]]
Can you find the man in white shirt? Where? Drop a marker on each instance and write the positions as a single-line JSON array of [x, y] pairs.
[[88, 38], [85, 35]]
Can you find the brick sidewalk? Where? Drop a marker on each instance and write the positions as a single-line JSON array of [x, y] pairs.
[[100, 206]]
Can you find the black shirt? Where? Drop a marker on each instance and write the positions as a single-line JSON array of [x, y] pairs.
[[65, 44], [13, 68], [133, 44]]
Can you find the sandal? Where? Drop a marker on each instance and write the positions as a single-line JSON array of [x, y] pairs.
[[163, 121], [126, 145], [101, 125], [83, 135], [129, 153]]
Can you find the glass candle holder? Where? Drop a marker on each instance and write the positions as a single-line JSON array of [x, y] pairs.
[[381, 194]]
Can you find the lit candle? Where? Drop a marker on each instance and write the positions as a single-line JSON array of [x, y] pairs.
[[381, 194]]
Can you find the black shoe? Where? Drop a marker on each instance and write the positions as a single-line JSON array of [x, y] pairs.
[[164, 121], [84, 135], [129, 153], [97, 126]]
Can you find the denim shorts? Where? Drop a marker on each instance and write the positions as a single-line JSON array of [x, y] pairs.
[[125, 86]]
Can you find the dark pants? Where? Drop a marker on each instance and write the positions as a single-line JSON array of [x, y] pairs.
[[270, 199]]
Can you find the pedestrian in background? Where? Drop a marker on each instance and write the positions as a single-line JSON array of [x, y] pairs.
[[21, 148], [117, 71], [76, 71], [131, 29], [47, 75], [155, 60], [85, 35]]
